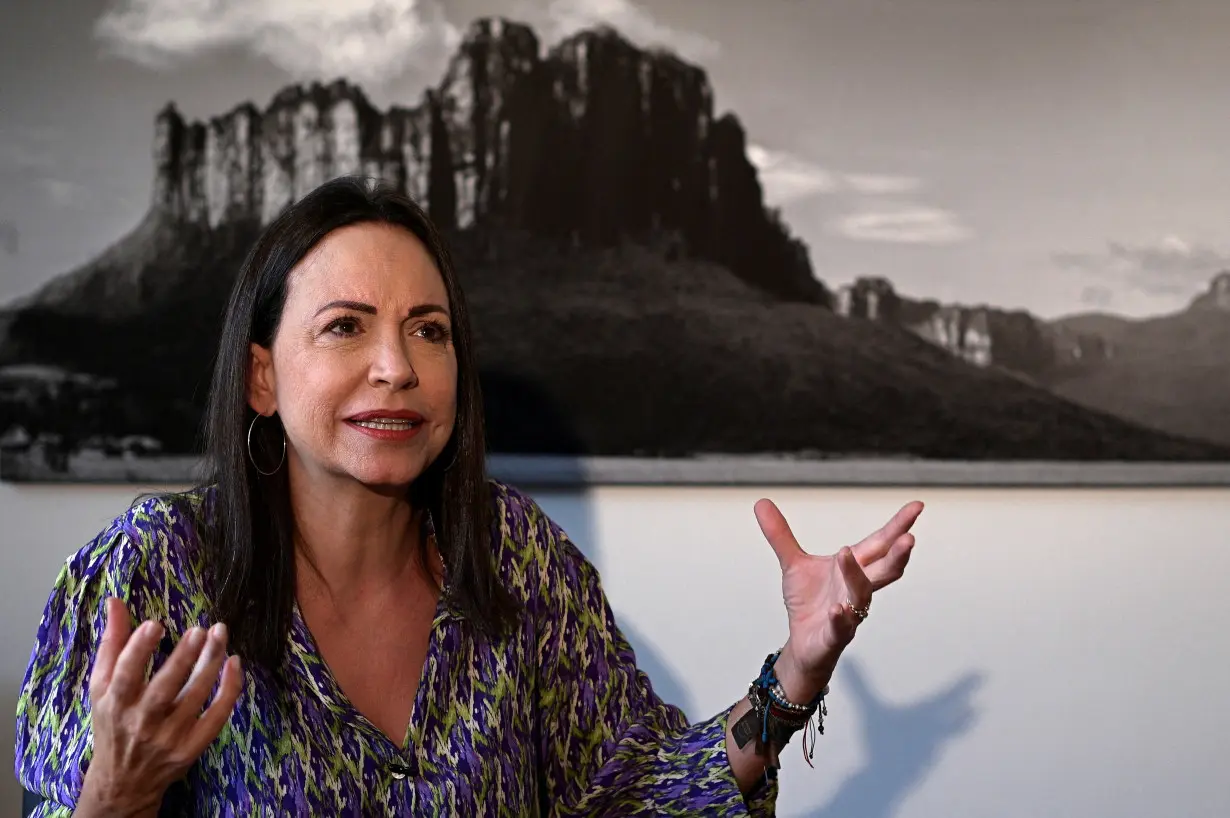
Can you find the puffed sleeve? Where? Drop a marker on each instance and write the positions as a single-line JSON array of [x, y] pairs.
[[609, 745], [54, 739]]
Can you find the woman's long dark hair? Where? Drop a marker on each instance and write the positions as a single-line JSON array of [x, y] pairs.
[[249, 546]]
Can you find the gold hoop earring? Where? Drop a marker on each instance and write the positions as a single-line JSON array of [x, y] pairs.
[[252, 456], [452, 462]]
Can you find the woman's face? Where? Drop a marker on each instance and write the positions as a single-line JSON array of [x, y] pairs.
[[362, 369]]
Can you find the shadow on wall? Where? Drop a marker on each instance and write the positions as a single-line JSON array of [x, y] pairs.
[[522, 418], [576, 518], [903, 742]]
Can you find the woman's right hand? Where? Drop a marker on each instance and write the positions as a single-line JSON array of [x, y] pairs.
[[148, 734]]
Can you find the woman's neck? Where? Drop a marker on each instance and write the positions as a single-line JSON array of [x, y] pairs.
[[352, 541]]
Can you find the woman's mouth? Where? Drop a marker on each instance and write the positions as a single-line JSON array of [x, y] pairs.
[[384, 423], [387, 425]]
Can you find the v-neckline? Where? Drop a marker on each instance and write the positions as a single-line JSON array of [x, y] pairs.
[[333, 689]]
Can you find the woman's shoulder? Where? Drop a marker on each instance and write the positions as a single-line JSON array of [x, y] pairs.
[[156, 533], [530, 542], [171, 516], [169, 521], [521, 524]]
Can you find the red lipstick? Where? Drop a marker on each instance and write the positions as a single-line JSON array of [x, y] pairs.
[[387, 424]]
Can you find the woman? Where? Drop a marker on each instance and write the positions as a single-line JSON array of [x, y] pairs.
[[406, 636]]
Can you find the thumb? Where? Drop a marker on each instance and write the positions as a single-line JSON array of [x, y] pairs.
[[777, 531]]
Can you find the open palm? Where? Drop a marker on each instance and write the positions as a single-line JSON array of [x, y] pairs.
[[827, 596]]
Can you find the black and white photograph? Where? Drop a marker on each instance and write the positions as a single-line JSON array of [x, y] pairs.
[[797, 241]]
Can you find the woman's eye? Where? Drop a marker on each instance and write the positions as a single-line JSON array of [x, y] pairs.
[[433, 331], [343, 326]]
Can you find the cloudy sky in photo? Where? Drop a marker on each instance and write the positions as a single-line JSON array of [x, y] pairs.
[[1056, 155]]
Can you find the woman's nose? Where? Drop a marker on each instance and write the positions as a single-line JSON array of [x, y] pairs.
[[392, 366]]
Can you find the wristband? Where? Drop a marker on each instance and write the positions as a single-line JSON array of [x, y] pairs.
[[773, 719]]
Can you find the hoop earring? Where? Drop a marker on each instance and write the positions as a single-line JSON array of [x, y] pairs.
[[252, 457], [452, 462]]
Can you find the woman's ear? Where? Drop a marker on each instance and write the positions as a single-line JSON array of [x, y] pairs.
[[261, 383]]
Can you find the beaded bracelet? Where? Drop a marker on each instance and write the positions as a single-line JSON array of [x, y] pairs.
[[774, 719]]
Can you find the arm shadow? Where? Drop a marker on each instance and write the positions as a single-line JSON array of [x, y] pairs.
[[903, 742]]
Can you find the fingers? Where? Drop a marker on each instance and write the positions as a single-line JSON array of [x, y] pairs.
[[167, 682], [128, 676], [115, 636], [211, 721], [196, 692], [858, 595], [891, 567], [874, 546], [777, 531], [160, 720], [857, 582], [843, 624]]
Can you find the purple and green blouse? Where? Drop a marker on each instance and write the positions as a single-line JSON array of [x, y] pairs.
[[554, 719]]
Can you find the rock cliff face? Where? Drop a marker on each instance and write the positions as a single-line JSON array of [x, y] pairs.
[[596, 142], [593, 195], [1217, 297], [983, 336], [250, 164]]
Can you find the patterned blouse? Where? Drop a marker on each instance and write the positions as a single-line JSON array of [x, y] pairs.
[[556, 719]]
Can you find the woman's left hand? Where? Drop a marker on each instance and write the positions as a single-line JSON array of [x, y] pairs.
[[827, 597]]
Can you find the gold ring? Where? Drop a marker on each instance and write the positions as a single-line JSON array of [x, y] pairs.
[[859, 613]]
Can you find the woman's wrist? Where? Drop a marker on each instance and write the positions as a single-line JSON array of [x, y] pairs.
[[801, 686], [99, 801], [781, 701]]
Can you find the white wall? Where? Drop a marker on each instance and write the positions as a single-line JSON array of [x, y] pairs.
[[1050, 653]]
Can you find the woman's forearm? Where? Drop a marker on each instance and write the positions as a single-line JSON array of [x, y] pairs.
[[750, 761], [747, 763], [92, 804], [88, 807]]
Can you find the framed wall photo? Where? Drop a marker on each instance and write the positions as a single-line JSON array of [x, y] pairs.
[[831, 243]]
